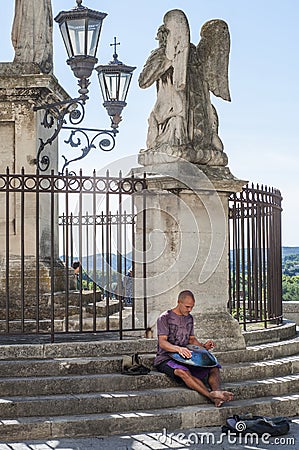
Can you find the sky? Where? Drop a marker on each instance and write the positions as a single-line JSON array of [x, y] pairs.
[[258, 127]]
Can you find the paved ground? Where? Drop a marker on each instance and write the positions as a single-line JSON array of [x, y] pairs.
[[198, 438]]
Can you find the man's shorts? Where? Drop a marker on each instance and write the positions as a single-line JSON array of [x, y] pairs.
[[169, 367]]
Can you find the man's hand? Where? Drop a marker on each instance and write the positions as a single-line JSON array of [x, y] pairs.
[[184, 352], [209, 344]]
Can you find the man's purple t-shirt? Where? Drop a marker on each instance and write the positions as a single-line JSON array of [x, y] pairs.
[[177, 328]]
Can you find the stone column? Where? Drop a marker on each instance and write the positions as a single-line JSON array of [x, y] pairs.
[[187, 241], [23, 86]]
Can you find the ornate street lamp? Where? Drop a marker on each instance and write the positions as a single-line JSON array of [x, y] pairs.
[[81, 28], [115, 79]]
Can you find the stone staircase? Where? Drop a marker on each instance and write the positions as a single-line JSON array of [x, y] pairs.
[[87, 309], [76, 388]]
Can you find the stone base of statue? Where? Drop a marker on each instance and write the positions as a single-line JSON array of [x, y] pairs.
[[187, 241], [221, 327], [166, 153]]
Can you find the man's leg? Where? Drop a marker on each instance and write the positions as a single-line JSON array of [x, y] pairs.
[[214, 383], [216, 396], [214, 379]]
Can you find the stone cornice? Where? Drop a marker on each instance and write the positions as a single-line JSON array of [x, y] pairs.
[[184, 176], [36, 87]]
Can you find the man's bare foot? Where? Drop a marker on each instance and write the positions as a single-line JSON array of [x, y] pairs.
[[218, 402], [228, 395], [219, 397]]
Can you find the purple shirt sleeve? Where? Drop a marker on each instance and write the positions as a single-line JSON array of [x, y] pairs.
[[162, 326]]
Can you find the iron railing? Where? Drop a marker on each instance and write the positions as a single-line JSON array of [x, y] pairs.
[[47, 222], [255, 294]]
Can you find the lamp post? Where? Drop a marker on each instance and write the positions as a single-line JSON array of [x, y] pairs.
[[81, 28], [115, 79]]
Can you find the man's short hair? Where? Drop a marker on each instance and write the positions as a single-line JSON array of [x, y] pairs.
[[184, 294], [76, 264]]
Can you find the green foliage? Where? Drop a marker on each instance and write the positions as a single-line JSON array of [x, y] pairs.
[[290, 265], [89, 285], [290, 277], [100, 278], [290, 288]]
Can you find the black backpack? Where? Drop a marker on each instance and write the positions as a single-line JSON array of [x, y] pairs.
[[244, 424], [132, 365]]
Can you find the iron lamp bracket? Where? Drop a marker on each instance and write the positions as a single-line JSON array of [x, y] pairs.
[[57, 116]]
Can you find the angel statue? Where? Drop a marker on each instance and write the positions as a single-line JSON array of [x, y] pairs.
[[32, 33], [183, 122]]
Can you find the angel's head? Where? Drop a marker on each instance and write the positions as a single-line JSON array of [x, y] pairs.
[[162, 36]]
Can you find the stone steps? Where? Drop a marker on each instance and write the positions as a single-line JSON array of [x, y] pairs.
[[85, 375], [63, 367], [75, 349], [76, 389], [76, 301], [74, 323], [44, 427], [88, 309], [60, 366], [50, 359], [136, 400], [264, 387], [146, 347], [260, 369], [81, 384]]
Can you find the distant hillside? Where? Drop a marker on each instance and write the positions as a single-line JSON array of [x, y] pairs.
[[127, 260], [286, 251]]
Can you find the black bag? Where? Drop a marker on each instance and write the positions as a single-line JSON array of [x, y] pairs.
[[132, 365], [244, 424]]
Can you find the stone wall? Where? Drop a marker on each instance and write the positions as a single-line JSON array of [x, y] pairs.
[[291, 311], [21, 88]]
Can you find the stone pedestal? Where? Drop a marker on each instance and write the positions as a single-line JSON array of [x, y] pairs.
[[187, 245], [22, 86]]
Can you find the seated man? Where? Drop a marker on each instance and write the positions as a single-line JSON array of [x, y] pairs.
[[175, 331]]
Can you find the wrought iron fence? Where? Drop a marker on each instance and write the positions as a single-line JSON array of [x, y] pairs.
[[255, 294], [48, 223]]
